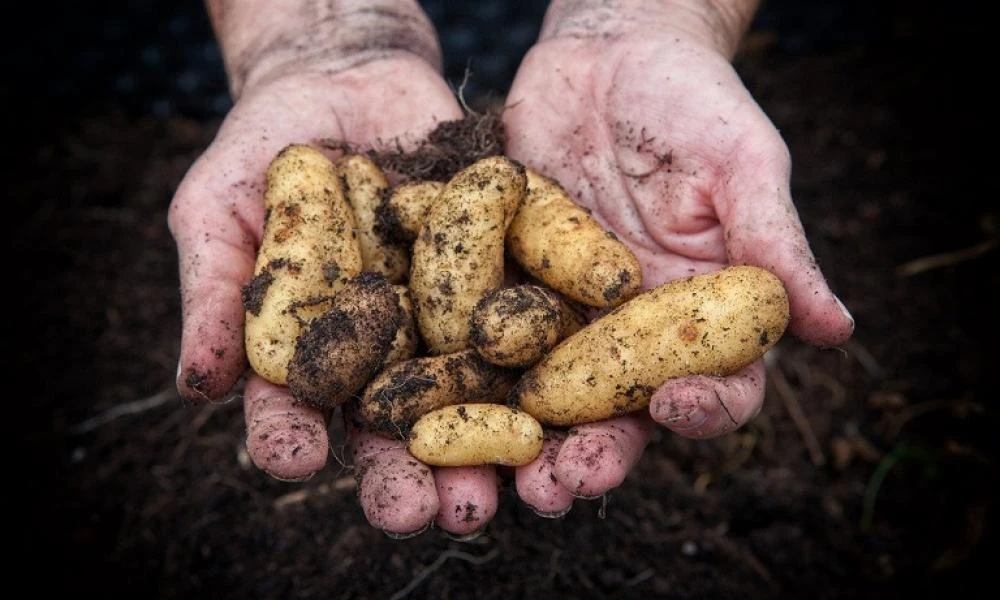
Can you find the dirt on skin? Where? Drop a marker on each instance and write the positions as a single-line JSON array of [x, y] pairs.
[[868, 473]]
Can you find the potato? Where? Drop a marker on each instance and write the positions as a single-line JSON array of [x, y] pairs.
[[403, 392], [404, 345], [459, 255], [475, 434], [515, 326], [403, 209], [364, 186], [309, 251], [712, 324], [562, 245], [340, 350]]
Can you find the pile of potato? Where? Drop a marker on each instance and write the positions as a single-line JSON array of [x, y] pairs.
[[392, 302]]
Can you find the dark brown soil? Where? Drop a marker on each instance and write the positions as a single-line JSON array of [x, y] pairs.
[[869, 474]]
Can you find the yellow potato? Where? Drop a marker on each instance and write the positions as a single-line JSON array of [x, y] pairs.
[[475, 434], [404, 345], [365, 186], [339, 351], [458, 256], [406, 390], [403, 210], [562, 245], [515, 326], [309, 251], [712, 324]]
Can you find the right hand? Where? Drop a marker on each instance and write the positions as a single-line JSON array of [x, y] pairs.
[[217, 219]]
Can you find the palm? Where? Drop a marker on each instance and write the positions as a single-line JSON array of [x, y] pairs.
[[645, 138]]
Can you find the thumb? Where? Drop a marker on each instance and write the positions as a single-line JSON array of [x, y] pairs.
[[762, 228]]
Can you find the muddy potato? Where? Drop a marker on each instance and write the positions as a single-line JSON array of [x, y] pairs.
[[475, 434], [515, 326], [405, 342], [403, 392], [339, 351], [459, 255], [563, 246], [712, 324], [308, 252], [404, 207], [364, 187]]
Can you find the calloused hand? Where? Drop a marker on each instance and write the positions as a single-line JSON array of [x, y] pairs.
[[657, 135], [217, 220]]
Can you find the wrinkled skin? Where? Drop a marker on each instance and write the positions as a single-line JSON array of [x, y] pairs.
[[658, 136]]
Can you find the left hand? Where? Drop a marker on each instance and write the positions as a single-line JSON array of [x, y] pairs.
[[656, 134]]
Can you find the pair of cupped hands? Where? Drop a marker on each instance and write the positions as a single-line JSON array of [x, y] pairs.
[[659, 138]]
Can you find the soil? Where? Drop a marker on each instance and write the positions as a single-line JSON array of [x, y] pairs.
[[870, 472]]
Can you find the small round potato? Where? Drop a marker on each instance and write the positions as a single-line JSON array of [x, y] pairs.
[[516, 326], [475, 434]]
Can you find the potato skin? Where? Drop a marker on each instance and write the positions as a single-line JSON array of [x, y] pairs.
[[562, 245], [458, 256], [517, 325], [406, 340], [475, 434], [339, 351], [405, 391], [712, 324], [308, 252], [404, 208], [364, 187]]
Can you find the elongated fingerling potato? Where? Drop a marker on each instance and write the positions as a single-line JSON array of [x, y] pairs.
[[339, 351], [475, 434], [515, 326], [563, 246], [458, 256], [308, 252], [406, 390], [712, 324], [364, 186], [403, 209]]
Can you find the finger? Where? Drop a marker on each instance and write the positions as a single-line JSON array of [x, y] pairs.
[[703, 407], [468, 497], [536, 482], [285, 439], [216, 254], [762, 228], [396, 491], [596, 457]]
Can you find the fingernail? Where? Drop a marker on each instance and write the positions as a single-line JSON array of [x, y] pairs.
[[551, 514], [683, 418], [844, 310], [468, 537]]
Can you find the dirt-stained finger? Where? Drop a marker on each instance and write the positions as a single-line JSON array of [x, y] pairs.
[[596, 457], [285, 438], [468, 497], [701, 406], [537, 484]]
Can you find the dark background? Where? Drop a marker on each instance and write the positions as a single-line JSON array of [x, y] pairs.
[[870, 472]]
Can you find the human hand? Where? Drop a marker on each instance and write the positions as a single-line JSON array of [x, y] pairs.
[[314, 85], [639, 114]]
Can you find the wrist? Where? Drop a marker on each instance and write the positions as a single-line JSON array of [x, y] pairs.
[[719, 24], [261, 39]]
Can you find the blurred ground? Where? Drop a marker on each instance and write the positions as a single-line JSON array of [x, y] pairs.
[[869, 474]]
